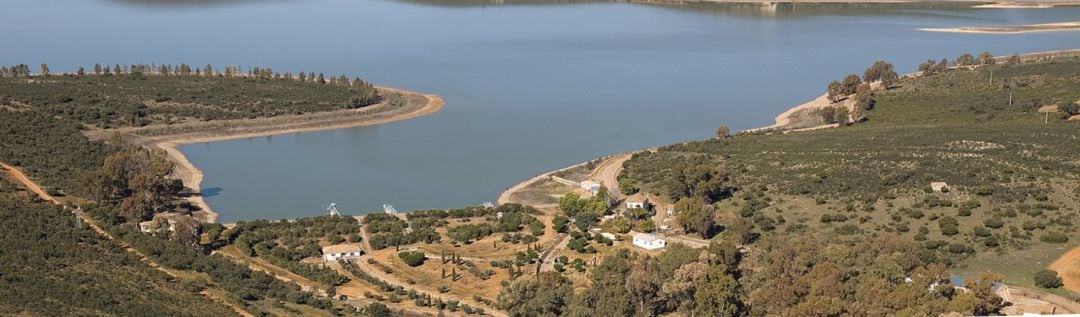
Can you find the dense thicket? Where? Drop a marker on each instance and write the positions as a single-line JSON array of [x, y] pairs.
[[52, 150], [54, 267], [142, 98]]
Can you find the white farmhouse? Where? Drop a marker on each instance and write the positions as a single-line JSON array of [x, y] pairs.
[[637, 201], [648, 241], [341, 251]]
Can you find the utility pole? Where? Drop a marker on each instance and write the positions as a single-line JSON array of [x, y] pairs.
[[991, 77], [1010, 99]]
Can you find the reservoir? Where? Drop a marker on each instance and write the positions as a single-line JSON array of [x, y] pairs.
[[530, 86]]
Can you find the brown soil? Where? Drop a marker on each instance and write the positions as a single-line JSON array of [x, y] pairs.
[[1068, 267]]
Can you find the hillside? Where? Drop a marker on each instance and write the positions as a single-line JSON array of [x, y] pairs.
[[60, 268], [54, 267], [1011, 170]]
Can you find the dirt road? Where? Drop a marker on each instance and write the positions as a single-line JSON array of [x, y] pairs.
[[1068, 267], [21, 178], [608, 173]]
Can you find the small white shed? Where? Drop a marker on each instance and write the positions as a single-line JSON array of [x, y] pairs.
[[649, 241]]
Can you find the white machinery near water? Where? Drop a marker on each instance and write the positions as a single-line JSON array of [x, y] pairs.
[[332, 209], [389, 209]]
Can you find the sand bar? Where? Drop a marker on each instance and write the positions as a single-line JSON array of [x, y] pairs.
[[1013, 29]]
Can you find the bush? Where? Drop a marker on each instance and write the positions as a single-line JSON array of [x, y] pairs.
[[1048, 279], [377, 310], [412, 258], [1054, 237]]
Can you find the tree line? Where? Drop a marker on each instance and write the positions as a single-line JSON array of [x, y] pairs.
[[793, 277]]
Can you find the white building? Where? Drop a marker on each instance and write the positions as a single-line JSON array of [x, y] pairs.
[[637, 201], [341, 251], [649, 241], [591, 186], [938, 187], [609, 236]]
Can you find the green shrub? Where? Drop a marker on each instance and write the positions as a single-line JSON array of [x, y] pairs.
[[1054, 237], [1048, 279], [412, 258]]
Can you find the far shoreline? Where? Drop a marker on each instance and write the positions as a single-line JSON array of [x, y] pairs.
[[192, 176], [977, 4], [1011, 29], [787, 120]]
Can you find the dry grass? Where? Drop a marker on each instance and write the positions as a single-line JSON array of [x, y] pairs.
[[542, 192], [426, 277]]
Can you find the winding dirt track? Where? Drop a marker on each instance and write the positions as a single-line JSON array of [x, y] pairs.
[[608, 173]]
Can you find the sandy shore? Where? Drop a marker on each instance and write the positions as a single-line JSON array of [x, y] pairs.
[[171, 137], [504, 197], [1012, 29], [784, 119]]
